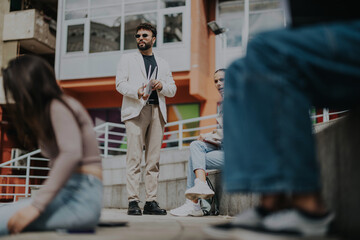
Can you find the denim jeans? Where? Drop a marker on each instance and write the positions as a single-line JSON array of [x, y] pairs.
[[76, 206], [268, 141], [203, 156]]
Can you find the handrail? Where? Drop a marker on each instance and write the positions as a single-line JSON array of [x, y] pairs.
[[190, 120], [111, 141], [21, 157], [105, 135]]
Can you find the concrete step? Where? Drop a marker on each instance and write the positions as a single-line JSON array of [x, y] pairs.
[[172, 164], [172, 184], [172, 179], [338, 152]]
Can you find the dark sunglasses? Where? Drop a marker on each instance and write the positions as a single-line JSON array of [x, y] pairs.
[[144, 35], [220, 79]]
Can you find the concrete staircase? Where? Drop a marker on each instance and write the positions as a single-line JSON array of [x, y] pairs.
[[172, 184]]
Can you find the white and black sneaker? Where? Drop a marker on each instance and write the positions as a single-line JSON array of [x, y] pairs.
[[297, 222], [189, 208], [249, 219], [282, 225], [199, 190]]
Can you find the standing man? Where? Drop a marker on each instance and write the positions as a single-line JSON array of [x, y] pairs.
[[144, 116]]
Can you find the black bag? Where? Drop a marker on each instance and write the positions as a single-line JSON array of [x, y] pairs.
[[210, 207]]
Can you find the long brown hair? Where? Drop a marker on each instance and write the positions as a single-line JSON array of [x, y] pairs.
[[30, 83]]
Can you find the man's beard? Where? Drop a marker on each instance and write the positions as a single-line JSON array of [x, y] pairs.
[[145, 47]]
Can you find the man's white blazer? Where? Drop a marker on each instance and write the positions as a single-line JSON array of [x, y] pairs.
[[131, 75]]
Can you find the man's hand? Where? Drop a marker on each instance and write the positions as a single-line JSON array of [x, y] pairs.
[[157, 85], [22, 218], [201, 137], [141, 93]]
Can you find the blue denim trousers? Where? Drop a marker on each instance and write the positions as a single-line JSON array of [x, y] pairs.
[[268, 141], [203, 156], [77, 206]]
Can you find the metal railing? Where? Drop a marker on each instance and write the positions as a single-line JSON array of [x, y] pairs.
[[112, 141], [112, 136], [25, 172], [326, 115]]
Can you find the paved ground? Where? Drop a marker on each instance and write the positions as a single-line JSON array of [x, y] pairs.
[[152, 228], [138, 228]]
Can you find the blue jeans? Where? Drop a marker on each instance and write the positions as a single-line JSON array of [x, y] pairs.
[[203, 156], [268, 141], [77, 206]]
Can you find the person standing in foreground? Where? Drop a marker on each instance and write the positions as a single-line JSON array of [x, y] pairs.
[[268, 140], [205, 153], [144, 115], [45, 117]]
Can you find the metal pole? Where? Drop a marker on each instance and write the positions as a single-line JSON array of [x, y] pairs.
[[326, 117], [245, 31], [106, 140], [180, 135], [224, 39], [27, 176]]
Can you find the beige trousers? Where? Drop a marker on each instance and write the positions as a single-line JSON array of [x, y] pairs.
[[146, 129]]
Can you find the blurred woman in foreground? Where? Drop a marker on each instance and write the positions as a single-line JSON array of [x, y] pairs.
[[45, 117]]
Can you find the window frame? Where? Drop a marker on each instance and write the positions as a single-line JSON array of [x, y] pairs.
[[161, 12], [222, 61]]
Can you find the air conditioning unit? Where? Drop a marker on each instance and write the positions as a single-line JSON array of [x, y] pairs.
[[15, 153]]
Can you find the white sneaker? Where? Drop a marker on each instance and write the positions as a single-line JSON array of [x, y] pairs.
[[199, 190], [249, 219], [292, 221], [189, 208]]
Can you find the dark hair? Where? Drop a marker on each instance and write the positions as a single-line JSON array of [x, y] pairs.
[[147, 26], [30, 82], [220, 70]]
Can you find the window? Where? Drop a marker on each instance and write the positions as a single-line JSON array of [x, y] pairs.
[[105, 34], [172, 3], [258, 5], [95, 26], [76, 14], [231, 14], [263, 21], [71, 4], [76, 9], [75, 38], [132, 6], [105, 26], [264, 15], [173, 27]]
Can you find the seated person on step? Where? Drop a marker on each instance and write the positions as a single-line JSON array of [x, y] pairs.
[[205, 153]]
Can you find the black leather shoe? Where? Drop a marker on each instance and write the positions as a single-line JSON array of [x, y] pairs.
[[134, 208], [152, 208]]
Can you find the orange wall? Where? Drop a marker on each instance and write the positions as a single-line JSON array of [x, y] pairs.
[[5, 144], [203, 57]]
